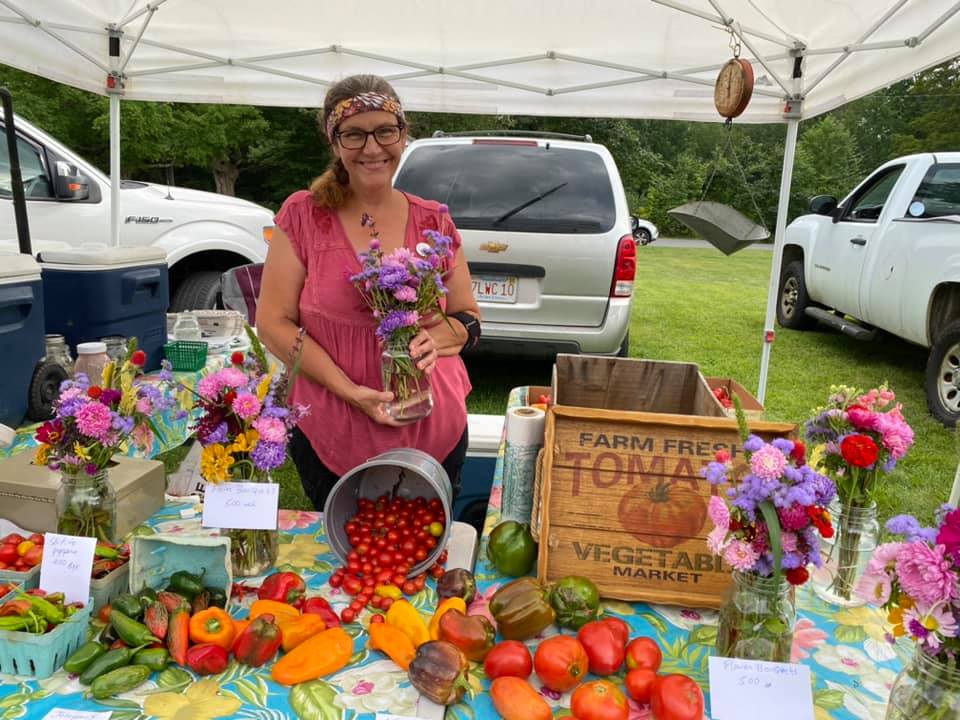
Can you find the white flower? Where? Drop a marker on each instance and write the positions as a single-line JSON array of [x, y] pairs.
[[376, 688], [845, 659]]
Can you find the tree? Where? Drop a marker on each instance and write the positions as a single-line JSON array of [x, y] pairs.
[[934, 127]]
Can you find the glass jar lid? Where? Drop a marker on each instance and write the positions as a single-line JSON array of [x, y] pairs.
[[91, 348]]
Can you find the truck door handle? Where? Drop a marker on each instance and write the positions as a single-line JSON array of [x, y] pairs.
[[858, 241]]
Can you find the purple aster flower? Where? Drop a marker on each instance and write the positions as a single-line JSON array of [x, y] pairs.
[[906, 525], [268, 455], [753, 444], [123, 424], [218, 435]]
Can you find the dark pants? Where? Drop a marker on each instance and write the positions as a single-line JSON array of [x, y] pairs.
[[318, 480]]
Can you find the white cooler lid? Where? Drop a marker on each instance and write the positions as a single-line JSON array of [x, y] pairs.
[[18, 268], [103, 257], [485, 432]]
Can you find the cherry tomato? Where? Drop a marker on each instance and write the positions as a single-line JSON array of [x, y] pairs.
[[643, 652], [420, 555], [599, 700], [398, 579], [639, 684], [376, 618], [437, 572], [348, 615], [336, 580], [561, 663], [351, 527], [676, 697], [419, 581], [385, 603], [363, 548], [430, 542], [352, 585], [508, 658], [435, 529], [409, 588]]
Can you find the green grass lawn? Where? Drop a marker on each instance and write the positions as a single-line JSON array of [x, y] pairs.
[[697, 305]]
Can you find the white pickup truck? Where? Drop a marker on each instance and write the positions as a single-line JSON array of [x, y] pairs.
[[68, 205], [886, 257]]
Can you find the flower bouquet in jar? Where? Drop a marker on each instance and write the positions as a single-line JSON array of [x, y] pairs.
[[917, 581], [768, 530], [95, 418], [403, 288], [244, 427], [859, 438]]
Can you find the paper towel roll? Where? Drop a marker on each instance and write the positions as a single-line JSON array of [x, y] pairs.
[[524, 439]]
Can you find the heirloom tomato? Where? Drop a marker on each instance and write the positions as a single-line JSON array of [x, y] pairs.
[[599, 700], [676, 697], [561, 663]]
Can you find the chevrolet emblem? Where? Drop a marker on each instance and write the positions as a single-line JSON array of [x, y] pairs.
[[493, 247]]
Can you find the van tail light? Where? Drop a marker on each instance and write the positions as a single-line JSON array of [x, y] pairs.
[[626, 268]]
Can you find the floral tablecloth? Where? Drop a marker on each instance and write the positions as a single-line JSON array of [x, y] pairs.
[[173, 430], [847, 651]]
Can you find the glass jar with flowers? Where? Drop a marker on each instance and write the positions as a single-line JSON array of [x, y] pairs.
[[917, 581], [768, 533], [859, 437], [244, 427], [402, 289], [94, 419]]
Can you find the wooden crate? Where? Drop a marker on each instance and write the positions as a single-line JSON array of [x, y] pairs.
[[622, 500], [751, 406]]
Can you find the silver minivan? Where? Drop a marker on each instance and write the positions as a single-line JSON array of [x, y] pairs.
[[546, 232]]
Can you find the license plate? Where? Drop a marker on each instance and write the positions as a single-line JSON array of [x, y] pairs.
[[495, 288]]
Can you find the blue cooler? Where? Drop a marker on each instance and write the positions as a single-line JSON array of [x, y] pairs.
[[90, 293], [21, 334], [478, 468]]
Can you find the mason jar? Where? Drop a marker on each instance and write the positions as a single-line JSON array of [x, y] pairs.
[[757, 618], [86, 505]]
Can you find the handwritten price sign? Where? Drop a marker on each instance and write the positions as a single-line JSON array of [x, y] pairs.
[[757, 690], [243, 506], [66, 565]]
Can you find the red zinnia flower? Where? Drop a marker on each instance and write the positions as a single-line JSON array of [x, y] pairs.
[[139, 358], [859, 450], [797, 576], [94, 392], [723, 456], [799, 452], [50, 433], [237, 357], [820, 518]]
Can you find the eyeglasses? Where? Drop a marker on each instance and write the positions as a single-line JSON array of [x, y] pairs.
[[357, 139]]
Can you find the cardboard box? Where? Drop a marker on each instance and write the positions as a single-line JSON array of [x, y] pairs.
[[622, 500], [28, 491], [751, 406]]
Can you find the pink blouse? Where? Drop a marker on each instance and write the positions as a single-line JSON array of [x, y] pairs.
[[335, 316]]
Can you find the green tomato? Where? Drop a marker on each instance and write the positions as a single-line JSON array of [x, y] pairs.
[[435, 528]]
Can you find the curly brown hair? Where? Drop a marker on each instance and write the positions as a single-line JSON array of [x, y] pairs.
[[332, 188]]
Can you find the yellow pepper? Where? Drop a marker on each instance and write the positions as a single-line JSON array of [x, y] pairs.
[[297, 629], [272, 607], [404, 616], [450, 603], [390, 591]]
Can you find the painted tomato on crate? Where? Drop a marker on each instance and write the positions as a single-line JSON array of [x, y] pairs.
[[663, 512]]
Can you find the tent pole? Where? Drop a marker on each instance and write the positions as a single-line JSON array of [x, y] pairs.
[[114, 170], [786, 176]]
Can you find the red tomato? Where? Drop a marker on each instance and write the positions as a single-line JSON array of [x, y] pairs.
[[336, 580], [620, 629], [643, 652], [33, 556], [599, 700], [409, 588], [508, 658], [36, 539], [348, 615], [13, 539], [8, 553], [639, 684], [436, 572], [561, 662], [676, 697]]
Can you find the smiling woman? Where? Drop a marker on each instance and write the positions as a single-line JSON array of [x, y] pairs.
[[308, 300]]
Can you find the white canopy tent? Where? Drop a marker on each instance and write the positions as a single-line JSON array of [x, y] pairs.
[[618, 58]]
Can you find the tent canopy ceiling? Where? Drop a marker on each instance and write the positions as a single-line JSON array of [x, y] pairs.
[[620, 58]]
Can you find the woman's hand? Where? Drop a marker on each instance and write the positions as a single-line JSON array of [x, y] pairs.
[[372, 402], [423, 350]]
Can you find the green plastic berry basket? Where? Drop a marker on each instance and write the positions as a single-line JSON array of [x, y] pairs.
[[40, 656], [186, 355], [114, 583], [27, 580]]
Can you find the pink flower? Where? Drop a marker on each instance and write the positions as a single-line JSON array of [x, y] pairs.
[[405, 294], [886, 397], [142, 437], [210, 386], [271, 429], [233, 377], [897, 435], [718, 512], [926, 574], [874, 588], [883, 556], [768, 463], [740, 555], [789, 541], [794, 517], [296, 519], [863, 419], [93, 420], [715, 540], [145, 406], [364, 687], [806, 636], [246, 406], [929, 625], [481, 603]]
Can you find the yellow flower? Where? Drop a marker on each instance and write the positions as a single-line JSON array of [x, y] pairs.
[[42, 456], [264, 387], [245, 441], [200, 701], [869, 618], [215, 463], [302, 552], [106, 377], [81, 452]]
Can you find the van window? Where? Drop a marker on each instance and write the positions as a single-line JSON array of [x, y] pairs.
[[939, 193], [513, 187], [36, 184]]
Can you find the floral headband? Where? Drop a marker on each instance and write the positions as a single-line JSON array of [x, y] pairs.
[[364, 102]]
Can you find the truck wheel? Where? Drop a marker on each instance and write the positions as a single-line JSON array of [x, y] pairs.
[[943, 376], [199, 291], [793, 299], [44, 389]]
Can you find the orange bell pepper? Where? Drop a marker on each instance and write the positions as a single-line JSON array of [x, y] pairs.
[[272, 607], [321, 655], [450, 603], [296, 630], [212, 626], [393, 642]]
